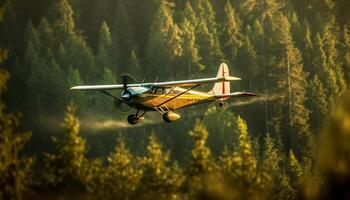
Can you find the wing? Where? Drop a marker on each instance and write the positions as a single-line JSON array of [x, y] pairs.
[[184, 83]]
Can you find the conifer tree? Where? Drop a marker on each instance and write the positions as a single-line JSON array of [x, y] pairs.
[[45, 33], [54, 85], [31, 35], [190, 49], [123, 38], [61, 57], [73, 79], [164, 44], [105, 39], [317, 102], [201, 166], [61, 18], [158, 180], [190, 14], [201, 160], [240, 167], [81, 58], [330, 40], [223, 134], [103, 59], [209, 48], [122, 176], [232, 38], [15, 170], [65, 168], [295, 170], [274, 179], [134, 64]]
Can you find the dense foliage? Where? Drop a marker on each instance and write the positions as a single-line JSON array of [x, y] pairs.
[[295, 54]]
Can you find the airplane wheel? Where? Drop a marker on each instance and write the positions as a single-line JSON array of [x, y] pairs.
[[133, 119], [221, 104]]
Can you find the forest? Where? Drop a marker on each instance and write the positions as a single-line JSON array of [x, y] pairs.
[[290, 142]]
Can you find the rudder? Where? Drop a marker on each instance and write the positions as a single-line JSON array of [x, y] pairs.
[[224, 86]]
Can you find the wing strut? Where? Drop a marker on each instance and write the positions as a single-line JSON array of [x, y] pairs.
[[114, 97], [191, 88]]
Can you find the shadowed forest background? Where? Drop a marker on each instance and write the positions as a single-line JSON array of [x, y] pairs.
[[55, 143]]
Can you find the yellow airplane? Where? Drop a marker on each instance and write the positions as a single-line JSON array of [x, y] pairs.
[[166, 97]]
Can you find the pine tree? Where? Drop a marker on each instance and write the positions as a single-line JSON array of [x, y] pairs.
[[61, 18], [134, 64], [15, 170], [123, 38], [201, 166], [158, 180], [105, 39], [32, 35], [61, 57], [46, 33], [103, 59], [122, 176], [240, 167], [190, 14], [81, 58], [232, 38], [330, 38], [223, 134], [65, 169], [296, 171], [190, 49], [209, 48], [317, 102], [73, 79], [164, 44], [201, 161], [275, 180]]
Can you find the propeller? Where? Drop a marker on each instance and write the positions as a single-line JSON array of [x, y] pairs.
[[126, 95], [121, 107]]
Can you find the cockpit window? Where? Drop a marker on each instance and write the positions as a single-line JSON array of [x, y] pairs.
[[159, 91]]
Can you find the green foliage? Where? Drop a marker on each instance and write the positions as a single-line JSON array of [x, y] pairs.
[[190, 49], [274, 178], [158, 180], [232, 38], [68, 166], [61, 18], [122, 175], [295, 53], [164, 44], [15, 170]]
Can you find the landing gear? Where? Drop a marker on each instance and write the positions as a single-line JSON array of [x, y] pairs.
[[170, 116], [221, 104], [134, 119]]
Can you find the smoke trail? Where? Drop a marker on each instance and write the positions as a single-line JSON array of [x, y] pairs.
[[258, 98]]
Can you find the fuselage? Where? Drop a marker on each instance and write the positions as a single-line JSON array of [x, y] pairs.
[[152, 98]]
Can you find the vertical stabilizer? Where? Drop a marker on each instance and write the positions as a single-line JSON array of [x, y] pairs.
[[224, 86]]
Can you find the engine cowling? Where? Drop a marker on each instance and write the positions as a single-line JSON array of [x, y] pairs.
[[170, 116]]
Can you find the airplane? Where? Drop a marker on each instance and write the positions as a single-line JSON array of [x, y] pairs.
[[166, 97]]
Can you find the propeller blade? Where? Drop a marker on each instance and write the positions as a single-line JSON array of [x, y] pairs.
[[127, 78], [121, 107]]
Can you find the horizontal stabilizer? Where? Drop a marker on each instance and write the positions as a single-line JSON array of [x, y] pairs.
[[235, 94]]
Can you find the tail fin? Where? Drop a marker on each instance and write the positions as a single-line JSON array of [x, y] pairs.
[[224, 86]]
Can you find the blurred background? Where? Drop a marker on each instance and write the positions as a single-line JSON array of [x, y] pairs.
[[56, 143]]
